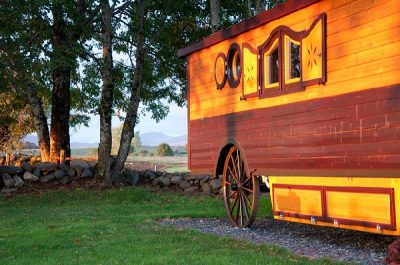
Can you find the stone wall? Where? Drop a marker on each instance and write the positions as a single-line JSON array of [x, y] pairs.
[[31, 170], [175, 181]]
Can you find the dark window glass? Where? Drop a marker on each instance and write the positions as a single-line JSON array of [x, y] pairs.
[[294, 60], [274, 67], [236, 65]]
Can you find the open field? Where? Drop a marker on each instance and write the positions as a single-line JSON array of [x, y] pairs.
[[176, 163], [167, 163], [120, 227]]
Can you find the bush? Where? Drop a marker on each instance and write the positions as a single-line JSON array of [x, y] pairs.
[[164, 150]]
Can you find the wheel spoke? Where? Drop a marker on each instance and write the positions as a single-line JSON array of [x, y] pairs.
[[232, 194], [244, 206], [236, 174], [234, 203], [227, 183], [247, 200], [240, 210], [242, 168], [247, 189], [238, 164], [233, 175], [246, 180], [237, 212]]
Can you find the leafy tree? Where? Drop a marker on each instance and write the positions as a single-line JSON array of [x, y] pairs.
[[15, 121], [164, 150], [116, 139], [22, 65], [151, 34], [40, 44]]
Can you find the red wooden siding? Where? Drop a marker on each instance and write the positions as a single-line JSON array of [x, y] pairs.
[[340, 135]]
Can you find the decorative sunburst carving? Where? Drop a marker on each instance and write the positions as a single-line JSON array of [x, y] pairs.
[[313, 56], [249, 75]]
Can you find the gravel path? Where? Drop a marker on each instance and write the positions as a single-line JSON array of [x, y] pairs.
[[307, 240]]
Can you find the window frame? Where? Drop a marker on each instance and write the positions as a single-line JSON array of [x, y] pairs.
[[287, 40], [263, 50], [265, 59], [233, 83], [223, 81], [279, 34]]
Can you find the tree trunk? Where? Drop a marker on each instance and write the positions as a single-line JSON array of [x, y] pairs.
[[260, 6], [106, 96], [131, 115], [61, 75], [60, 107], [215, 9], [249, 12], [40, 121]]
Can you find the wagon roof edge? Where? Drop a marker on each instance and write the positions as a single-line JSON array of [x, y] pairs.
[[246, 25]]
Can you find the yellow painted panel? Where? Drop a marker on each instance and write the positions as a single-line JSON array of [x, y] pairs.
[[298, 201], [312, 53], [359, 206], [250, 61], [332, 181]]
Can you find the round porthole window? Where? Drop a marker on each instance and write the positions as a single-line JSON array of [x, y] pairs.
[[234, 65], [220, 70]]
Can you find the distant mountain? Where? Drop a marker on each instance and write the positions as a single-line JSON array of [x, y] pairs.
[[32, 138], [83, 145], [156, 138], [148, 139]]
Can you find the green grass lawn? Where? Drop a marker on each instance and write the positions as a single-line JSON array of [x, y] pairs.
[[120, 227]]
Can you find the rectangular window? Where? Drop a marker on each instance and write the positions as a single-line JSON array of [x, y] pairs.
[[292, 61], [271, 63]]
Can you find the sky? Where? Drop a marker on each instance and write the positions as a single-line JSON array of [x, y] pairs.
[[175, 124]]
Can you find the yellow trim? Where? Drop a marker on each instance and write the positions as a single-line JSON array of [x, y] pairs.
[[266, 58], [286, 65]]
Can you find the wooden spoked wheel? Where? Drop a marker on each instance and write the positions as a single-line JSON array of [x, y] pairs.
[[241, 190]]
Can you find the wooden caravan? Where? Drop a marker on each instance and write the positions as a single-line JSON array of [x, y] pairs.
[[308, 94]]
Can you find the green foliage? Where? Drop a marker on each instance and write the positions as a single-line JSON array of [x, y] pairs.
[[164, 150], [15, 121], [116, 138], [272, 3]]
